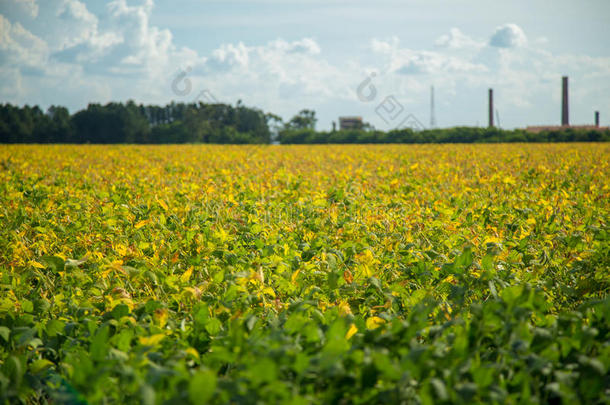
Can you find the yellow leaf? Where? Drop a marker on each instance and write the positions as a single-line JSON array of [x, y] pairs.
[[374, 322], [293, 279], [161, 316], [366, 257], [191, 293], [319, 203], [366, 270], [192, 352], [351, 331], [151, 340], [344, 309], [142, 223], [269, 291], [163, 205], [186, 275], [508, 180], [122, 249], [34, 263]]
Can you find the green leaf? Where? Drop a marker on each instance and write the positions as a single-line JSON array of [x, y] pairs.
[[213, 326], [27, 306], [5, 333], [487, 262], [464, 260], [439, 389], [55, 327], [40, 365], [13, 368], [54, 263], [122, 340], [202, 387], [202, 315], [511, 294], [263, 371], [119, 311], [295, 323], [147, 395], [99, 344]]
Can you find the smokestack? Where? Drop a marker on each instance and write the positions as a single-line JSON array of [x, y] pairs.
[[491, 108], [597, 119], [565, 112]]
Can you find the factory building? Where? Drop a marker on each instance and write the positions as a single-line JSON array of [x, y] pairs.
[[350, 123]]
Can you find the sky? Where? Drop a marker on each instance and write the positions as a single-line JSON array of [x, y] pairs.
[[375, 59]]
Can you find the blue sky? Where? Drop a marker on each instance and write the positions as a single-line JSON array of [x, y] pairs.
[[282, 56]]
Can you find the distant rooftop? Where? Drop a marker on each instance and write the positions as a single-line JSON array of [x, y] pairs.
[[353, 122]]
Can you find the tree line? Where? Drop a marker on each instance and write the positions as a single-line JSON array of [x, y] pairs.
[[132, 123], [301, 130], [223, 123], [445, 135]]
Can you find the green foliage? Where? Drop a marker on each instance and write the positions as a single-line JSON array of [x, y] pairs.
[[226, 124], [339, 274], [131, 123], [301, 135], [305, 119]]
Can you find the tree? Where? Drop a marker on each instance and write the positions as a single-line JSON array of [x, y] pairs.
[[275, 125], [60, 129], [305, 119]]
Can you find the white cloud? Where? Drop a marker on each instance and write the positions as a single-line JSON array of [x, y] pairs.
[[229, 56], [119, 54], [389, 46], [304, 46], [20, 8], [80, 47], [142, 60], [76, 24], [280, 75], [29, 6], [508, 36], [456, 39], [19, 47], [142, 44], [273, 54], [410, 61], [523, 75]]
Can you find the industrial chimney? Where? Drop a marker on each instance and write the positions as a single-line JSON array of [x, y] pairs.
[[565, 113], [491, 108], [597, 119]]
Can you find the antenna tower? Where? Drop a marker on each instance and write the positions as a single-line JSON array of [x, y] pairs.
[[432, 113]]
